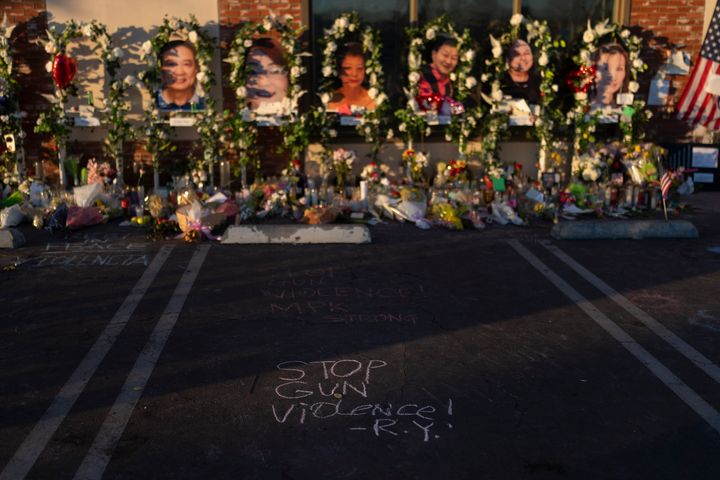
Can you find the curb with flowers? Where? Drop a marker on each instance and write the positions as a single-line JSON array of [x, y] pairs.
[[157, 131], [11, 162], [633, 115], [292, 125], [538, 36], [62, 68], [346, 26], [412, 124]]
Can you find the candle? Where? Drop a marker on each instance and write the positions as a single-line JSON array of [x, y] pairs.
[[363, 190]]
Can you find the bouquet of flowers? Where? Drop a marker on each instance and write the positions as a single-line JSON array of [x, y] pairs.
[[415, 163], [98, 172], [375, 175], [342, 163], [642, 161]]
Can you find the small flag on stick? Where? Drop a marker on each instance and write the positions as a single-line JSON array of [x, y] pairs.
[[665, 183]]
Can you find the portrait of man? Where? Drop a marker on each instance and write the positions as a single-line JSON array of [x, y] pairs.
[[179, 69], [353, 92], [612, 75], [268, 82], [521, 81]]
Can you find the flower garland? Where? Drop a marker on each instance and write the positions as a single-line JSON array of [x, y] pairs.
[[10, 118], [55, 122], [292, 126], [539, 37], [158, 132], [347, 25], [580, 81], [412, 124]]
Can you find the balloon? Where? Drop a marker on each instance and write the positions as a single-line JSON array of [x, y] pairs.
[[64, 69]]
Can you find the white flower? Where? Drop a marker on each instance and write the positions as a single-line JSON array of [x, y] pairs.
[[325, 98], [484, 77], [469, 55], [351, 27], [373, 93], [295, 71], [201, 77], [428, 131], [648, 114], [240, 92], [633, 87], [585, 56], [497, 51], [448, 137], [267, 24], [402, 127], [554, 88], [327, 71], [390, 134], [414, 61], [380, 99], [414, 77], [332, 133], [117, 52], [580, 96], [247, 43], [129, 80], [625, 33], [48, 66], [87, 30], [147, 47], [373, 79], [453, 76], [516, 19], [50, 47], [193, 36], [543, 59], [430, 33], [342, 23], [332, 46], [470, 82], [637, 63], [588, 36]]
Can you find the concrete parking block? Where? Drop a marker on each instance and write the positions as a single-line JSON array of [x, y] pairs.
[[633, 229], [296, 234], [11, 238]]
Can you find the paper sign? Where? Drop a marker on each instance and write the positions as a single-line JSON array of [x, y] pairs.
[[86, 121], [520, 120], [704, 157], [348, 121], [498, 184], [659, 90], [625, 98], [703, 177], [86, 110], [182, 121]]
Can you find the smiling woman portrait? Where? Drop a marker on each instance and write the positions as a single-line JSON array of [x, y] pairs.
[[435, 77], [267, 83], [179, 70], [352, 92], [612, 76], [521, 81]]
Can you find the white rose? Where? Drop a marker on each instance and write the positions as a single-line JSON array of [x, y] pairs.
[[448, 137], [327, 71], [325, 98], [633, 87], [87, 30], [351, 27], [428, 131], [543, 59], [430, 33], [267, 24], [588, 36], [554, 88], [497, 52], [240, 92], [343, 23], [373, 79], [484, 77], [380, 99], [516, 19], [390, 134], [295, 71], [580, 96], [247, 43], [469, 55], [118, 52], [48, 66], [414, 61], [470, 82], [625, 33], [373, 93], [193, 36], [332, 46], [402, 127], [648, 114], [50, 47], [147, 47], [414, 77], [585, 56], [201, 77], [453, 77], [637, 63]]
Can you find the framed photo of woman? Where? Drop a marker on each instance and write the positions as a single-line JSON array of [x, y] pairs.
[[352, 96], [268, 81]]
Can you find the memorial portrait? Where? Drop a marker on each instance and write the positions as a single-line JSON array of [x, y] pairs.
[[268, 82], [435, 74], [612, 75], [521, 79], [179, 69], [352, 94]]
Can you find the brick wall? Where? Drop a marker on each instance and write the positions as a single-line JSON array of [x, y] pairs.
[[664, 23]]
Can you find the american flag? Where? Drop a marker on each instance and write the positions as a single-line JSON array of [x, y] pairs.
[[696, 105], [665, 183]]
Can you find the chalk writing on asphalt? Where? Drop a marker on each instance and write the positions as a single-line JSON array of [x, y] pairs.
[[105, 250], [312, 392]]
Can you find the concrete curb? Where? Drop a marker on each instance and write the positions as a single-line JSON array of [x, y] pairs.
[[11, 238], [633, 229], [296, 234]]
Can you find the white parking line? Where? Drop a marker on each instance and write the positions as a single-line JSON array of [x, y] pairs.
[[702, 362], [33, 445], [98, 456], [683, 391]]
